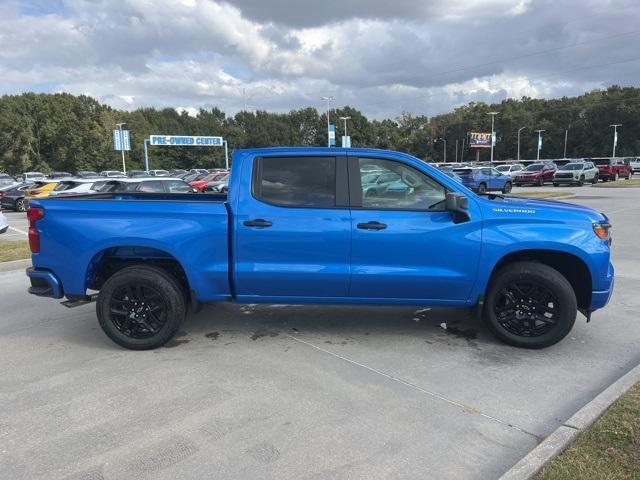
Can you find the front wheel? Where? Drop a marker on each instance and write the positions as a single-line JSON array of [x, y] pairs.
[[595, 179], [482, 188], [530, 305], [507, 188], [141, 307]]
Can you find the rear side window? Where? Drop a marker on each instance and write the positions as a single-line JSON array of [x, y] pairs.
[[296, 181]]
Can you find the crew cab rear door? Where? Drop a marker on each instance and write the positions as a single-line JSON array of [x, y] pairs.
[[292, 229], [404, 244]]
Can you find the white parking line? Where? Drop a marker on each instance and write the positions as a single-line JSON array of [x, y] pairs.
[[18, 230]]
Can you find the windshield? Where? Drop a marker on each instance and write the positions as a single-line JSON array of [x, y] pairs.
[[536, 167], [573, 166], [503, 168], [601, 161]]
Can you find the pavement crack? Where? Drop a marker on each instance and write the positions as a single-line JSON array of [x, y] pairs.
[[430, 393]]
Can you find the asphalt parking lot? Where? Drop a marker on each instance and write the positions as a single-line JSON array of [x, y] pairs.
[[301, 392], [18, 226]]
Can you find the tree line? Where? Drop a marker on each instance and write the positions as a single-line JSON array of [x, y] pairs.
[[63, 132]]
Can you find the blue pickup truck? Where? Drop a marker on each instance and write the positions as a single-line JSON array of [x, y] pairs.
[[297, 228]]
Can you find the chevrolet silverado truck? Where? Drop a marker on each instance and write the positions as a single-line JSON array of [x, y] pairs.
[[296, 228]]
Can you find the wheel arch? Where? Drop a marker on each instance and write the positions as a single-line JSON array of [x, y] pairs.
[[572, 267], [110, 260]]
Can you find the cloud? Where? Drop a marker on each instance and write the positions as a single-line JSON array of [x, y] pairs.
[[382, 57]]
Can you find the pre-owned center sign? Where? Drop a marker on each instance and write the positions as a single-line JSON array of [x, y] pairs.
[[185, 141]]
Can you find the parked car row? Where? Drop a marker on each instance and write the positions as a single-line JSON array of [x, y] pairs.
[[16, 197]]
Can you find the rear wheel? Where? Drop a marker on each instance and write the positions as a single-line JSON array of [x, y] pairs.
[[20, 205], [507, 188], [482, 188], [616, 177], [541, 182], [141, 307], [530, 305]]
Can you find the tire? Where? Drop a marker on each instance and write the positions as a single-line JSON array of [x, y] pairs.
[[556, 184], [581, 181], [616, 177], [595, 179], [529, 286], [20, 205], [518, 184], [149, 292], [629, 175], [507, 187], [482, 188], [540, 182]]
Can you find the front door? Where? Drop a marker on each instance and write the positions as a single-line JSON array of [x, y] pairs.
[[404, 244], [292, 234]]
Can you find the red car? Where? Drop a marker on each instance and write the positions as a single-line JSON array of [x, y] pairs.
[[202, 182], [536, 174], [612, 168]]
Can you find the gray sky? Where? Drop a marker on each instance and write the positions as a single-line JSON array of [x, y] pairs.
[[380, 56]]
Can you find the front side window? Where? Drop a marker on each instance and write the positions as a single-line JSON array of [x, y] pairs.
[[176, 186], [151, 187], [296, 181], [407, 188]]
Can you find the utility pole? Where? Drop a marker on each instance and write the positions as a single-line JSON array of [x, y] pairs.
[[615, 137], [462, 150], [456, 150], [244, 100], [566, 134], [519, 130], [493, 134], [539, 142], [119, 125], [328, 99]]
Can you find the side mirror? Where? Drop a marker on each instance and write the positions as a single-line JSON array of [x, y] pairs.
[[458, 204]]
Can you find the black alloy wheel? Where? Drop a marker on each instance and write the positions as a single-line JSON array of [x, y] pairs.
[[530, 305], [138, 311], [141, 307]]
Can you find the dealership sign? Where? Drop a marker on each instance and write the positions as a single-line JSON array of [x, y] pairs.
[[185, 141], [480, 140]]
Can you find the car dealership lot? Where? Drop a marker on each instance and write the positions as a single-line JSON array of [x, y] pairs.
[[301, 392]]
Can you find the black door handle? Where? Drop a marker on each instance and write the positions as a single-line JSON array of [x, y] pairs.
[[372, 226], [258, 222]]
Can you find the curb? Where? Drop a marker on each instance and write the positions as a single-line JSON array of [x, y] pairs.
[[529, 466], [15, 265]]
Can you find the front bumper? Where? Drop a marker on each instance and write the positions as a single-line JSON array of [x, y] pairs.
[[44, 283], [600, 298]]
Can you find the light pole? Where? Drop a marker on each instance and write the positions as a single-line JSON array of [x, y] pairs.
[[328, 99], [615, 137], [493, 116], [119, 125], [344, 119], [519, 130], [539, 142], [566, 134], [444, 150]]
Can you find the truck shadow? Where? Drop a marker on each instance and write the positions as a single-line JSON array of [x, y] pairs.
[[336, 324]]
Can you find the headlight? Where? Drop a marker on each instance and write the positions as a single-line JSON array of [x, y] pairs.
[[603, 231]]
